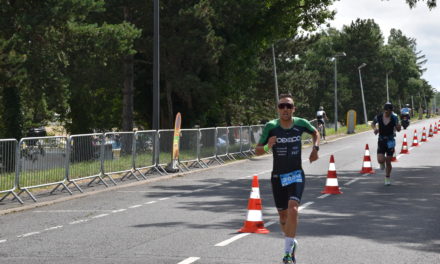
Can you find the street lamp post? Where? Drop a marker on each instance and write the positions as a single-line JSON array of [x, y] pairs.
[[156, 69], [362, 92], [275, 74], [334, 58], [388, 94]]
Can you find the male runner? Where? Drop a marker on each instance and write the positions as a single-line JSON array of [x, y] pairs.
[[283, 136], [388, 125], [321, 117]]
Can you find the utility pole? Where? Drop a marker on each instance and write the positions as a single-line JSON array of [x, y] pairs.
[[275, 74], [156, 69]]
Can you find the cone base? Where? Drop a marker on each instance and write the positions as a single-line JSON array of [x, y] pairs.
[[253, 227], [404, 152], [331, 191], [367, 170]]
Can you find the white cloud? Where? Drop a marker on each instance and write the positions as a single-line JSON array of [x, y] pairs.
[[419, 23]]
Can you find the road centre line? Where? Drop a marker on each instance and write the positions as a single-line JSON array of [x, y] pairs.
[[151, 202], [189, 260], [3, 241], [99, 216], [163, 199], [323, 196], [236, 237], [79, 221], [135, 206], [71, 211], [53, 228], [29, 234], [119, 210], [352, 181]]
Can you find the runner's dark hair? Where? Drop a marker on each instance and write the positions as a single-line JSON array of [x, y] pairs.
[[285, 95]]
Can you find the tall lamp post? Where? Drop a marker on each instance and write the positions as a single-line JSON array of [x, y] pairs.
[[156, 69], [362, 92], [334, 58], [275, 74], [388, 93]]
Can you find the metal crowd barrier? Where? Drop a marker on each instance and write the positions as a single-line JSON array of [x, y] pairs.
[[62, 161], [208, 146], [222, 143], [164, 148], [189, 148], [86, 156], [234, 143], [42, 162], [245, 141], [8, 168], [121, 159], [144, 150]]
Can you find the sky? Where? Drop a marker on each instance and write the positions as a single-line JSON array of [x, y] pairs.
[[419, 23]]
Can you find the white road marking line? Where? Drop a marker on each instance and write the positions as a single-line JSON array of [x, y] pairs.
[[236, 237], [162, 199], [99, 216], [152, 202], [3, 241], [323, 196], [304, 206], [71, 211], [29, 234], [189, 260], [79, 221], [135, 206], [352, 181], [232, 239], [119, 210], [53, 228]]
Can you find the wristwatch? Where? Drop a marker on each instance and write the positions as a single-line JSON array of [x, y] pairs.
[[316, 148]]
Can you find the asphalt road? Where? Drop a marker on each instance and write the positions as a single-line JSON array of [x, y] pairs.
[[195, 218]]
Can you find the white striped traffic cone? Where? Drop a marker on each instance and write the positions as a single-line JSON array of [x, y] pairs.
[[404, 146], [331, 184], [423, 136], [254, 219], [435, 128], [415, 139], [366, 165], [430, 131]]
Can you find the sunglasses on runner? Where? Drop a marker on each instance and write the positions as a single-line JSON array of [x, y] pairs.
[[284, 105]]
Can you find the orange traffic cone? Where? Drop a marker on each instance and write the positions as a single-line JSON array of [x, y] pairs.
[[331, 185], [254, 220], [404, 146], [435, 128], [430, 131], [423, 136], [366, 166], [394, 158], [415, 140]]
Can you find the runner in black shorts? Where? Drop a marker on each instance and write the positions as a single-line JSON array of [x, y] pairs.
[[283, 135], [388, 125]]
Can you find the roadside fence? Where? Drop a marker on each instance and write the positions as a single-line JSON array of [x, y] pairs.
[[81, 160]]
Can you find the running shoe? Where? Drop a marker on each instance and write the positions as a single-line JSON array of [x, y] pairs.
[[387, 181], [382, 166], [288, 259]]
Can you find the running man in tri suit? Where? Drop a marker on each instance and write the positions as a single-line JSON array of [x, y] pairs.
[[283, 136], [388, 125]]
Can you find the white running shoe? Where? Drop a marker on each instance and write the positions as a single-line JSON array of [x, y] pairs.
[[387, 181]]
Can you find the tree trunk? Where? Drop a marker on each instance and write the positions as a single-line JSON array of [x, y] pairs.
[[128, 89]]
